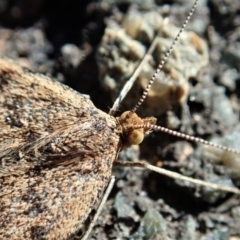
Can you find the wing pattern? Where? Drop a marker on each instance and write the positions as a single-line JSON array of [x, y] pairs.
[[56, 155]]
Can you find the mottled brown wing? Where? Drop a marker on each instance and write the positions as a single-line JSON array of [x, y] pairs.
[[56, 153]]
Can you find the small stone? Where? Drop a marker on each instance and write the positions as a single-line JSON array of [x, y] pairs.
[[153, 226]]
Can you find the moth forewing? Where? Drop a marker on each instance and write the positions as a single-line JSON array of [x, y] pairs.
[[57, 152]]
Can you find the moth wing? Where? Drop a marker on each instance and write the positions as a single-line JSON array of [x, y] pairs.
[[56, 155], [53, 203]]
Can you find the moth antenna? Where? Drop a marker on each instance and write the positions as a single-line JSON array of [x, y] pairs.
[[166, 56], [174, 175], [128, 85], [184, 136]]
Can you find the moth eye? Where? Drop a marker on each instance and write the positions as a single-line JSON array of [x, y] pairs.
[[136, 137]]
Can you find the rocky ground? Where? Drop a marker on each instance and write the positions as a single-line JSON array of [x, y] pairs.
[[94, 47]]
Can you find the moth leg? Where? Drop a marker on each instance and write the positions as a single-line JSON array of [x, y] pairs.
[[174, 175], [99, 209], [128, 85]]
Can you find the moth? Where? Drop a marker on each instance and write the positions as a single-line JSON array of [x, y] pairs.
[[57, 152]]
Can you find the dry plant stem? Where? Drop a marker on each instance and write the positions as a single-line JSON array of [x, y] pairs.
[[128, 85], [99, 209], [144, 165]]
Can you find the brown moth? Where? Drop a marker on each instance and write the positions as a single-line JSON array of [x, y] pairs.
[[57, 151]]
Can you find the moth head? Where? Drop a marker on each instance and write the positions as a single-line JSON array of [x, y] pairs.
[[134, 128]]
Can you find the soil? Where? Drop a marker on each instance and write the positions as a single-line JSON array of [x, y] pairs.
[[61, 39]]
